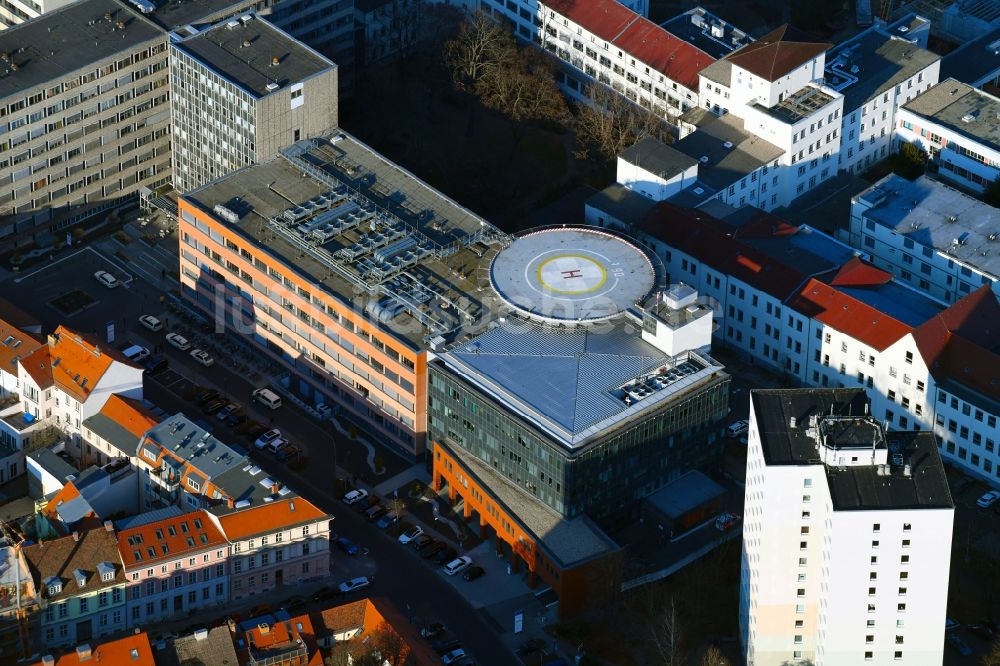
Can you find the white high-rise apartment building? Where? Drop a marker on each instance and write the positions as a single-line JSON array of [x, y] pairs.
[[847, 535]]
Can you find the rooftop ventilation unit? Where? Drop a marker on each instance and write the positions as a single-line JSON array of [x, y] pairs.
[[970, 116], [703, 159], [226, 214], [271, 87], [727, 144], [144, 6], [232, 24]]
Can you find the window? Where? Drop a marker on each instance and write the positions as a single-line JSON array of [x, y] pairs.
[[868, 656]]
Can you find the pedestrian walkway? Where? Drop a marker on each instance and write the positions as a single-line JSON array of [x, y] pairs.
[[415, 473]]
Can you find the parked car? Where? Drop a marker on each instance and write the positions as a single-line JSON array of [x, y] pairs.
[[960, 485], [959, 645], [355, 496], [983, 630], [375, 512], [205, 396], [276, 445], [348, 546], [260, 609], [151, 322], [950, 624], [354, 584], [458, 565], [179, 341], [224, 413], [420, 541], [155, 364], [472, 573], [135, 353], [267, 438], [738, 428], [432, 549], [323, 411], [202, 357], [432, 630], [446, 555], [213, 406], [385, 521], [453, 657], [726, 521], [411, 534], [988, 500], [236, 419], [366, 504], [294, 602], [288, 452], [324, 593], [107, 279]]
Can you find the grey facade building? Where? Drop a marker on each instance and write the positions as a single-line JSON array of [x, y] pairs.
[[84, 121], [242, 90]]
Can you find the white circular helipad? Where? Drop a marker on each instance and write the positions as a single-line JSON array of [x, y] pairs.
[[571, 274]]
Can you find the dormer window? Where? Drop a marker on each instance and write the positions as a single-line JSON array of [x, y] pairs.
[[81, 577], [54, 585]]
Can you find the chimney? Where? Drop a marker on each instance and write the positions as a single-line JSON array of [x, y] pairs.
[[109, 526], [275, 61], [83, 652], [791, 422], [76, 536], [264, 628], [200, 634], [907, 471], [48, 660], [275, 487]]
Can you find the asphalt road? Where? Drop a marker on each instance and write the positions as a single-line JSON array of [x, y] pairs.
[[416, 588]]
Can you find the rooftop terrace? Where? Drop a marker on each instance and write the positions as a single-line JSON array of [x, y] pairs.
[[254, 55], [69, 39], [935, 215], [800, 104], [368, 232]]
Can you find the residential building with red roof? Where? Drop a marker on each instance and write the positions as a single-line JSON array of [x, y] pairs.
[[69, 378], [290, 642], [115, 431], [608, 42], [15, 343], [282, 542], [173, 566], [369, 624], [809, 308], [133, 650]]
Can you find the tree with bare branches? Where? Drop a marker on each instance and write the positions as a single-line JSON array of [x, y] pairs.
[[666, 635], [610, 123], [482, 45], [525, 89], [713, 657]]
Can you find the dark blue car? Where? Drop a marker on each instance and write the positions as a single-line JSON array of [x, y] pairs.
[[347, 546]]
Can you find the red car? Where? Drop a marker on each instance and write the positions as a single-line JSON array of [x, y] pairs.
[[726, 521]]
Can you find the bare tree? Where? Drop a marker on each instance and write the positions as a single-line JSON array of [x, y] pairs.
[[992, 658], [713, 657], [610, 123], [482, 45], [525, 90], [666, 635], [389, 645]]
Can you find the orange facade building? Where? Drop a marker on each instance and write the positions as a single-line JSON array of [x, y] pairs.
[[345, 268]]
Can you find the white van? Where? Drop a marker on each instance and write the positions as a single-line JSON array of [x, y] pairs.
[[267, 397], [136, 353]]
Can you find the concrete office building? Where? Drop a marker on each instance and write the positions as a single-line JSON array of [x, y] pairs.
[[13, 12], [957, 125], [847, 535], [931, 236], [540, 425], [352, 286], [84, 116], [242, 89], [877, 72]]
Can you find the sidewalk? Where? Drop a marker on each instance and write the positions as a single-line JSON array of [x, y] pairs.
[[415, 473]]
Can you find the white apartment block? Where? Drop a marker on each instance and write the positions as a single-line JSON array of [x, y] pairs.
[[928, 235], [878, 71], [956, 125], [609, 42], [241, 90], [13, 12], [803, 305], [847, 535]]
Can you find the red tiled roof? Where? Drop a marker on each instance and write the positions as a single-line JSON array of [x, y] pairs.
[[777, 53], [675, 58], [169, 539], [370, 616], [605, 18], [765, 225], [857, 273], [15, 344], [961, 343], [848, 315], [73, 361], [269, 517], [711, 241], [129, 413], [38, 365], [133, 650]]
